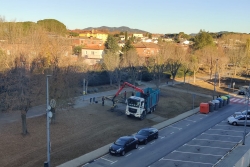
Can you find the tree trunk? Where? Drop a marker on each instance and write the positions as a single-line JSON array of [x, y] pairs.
[[24, 123], [87, 82], [219, 79], [194, 77], [184, 79]]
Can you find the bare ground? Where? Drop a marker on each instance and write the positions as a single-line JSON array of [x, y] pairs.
[[79, 131]]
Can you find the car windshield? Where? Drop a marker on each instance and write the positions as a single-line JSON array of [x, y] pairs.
[[133, 103], [143, 133], [238, 116], [120, 142]]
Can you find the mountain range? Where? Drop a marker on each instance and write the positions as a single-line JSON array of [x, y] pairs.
[[120, 29]]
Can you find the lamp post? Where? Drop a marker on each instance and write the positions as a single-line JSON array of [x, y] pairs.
[[48, 121], [215, 78], [245, 124]]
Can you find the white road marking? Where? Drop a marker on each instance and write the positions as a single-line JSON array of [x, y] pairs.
[[243, 100], [161, 137], [175, 127], [189, 120], [234, 100], [207, 146], [141, 148], [128, 154], [221, 125], [187, 161], [198, 153], [152, 142], [171, 133], [216, 140], [188, 124], [226, 130], [220, 135], [108, 160], [113, 162]]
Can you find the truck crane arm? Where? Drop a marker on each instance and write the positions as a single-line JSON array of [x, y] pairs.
[[130, 85]]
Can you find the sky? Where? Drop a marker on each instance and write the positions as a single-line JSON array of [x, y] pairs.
[[154, 16]]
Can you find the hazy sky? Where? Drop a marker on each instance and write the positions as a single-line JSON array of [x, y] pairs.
[[154, 16]]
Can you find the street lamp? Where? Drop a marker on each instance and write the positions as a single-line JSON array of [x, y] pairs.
[[215, 78], [244, 133], [47, 164]]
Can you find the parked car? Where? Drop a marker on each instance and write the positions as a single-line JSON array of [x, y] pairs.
[[123, 145], [238, 120], [243, 90], [146, 134], [242, 113]]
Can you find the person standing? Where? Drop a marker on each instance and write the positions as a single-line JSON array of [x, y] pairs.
[[90, 100], [103, 98], [125, 95]]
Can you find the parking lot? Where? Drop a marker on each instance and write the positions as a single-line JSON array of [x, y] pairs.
[[207, 149]]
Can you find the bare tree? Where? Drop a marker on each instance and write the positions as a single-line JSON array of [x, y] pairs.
[[132, 62], [175, 61], [186, 65], [236, 57], [111, 62]]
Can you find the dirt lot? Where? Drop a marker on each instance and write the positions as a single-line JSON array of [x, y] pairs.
[[79, 131]]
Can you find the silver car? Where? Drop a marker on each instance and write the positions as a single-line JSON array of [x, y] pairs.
[[238, 120], [242, 113]]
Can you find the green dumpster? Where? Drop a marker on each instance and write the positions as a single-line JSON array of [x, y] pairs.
[[228, 98]]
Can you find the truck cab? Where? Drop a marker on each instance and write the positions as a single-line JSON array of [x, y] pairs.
[[135, 106]]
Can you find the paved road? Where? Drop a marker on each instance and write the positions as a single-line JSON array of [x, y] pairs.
[[194, 141]]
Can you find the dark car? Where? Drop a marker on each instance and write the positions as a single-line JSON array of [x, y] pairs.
[[123, 145], [146, 134], [241, 92]]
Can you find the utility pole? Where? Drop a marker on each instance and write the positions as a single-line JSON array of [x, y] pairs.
[[48, 112], [215, 79], [83, 88], [244, 133]]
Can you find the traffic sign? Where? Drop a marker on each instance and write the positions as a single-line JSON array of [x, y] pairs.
[[53, 103]]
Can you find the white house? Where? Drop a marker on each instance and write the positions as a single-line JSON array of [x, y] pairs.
[[93, 54]]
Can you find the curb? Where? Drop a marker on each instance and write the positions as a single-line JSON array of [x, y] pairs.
[[92, 156]]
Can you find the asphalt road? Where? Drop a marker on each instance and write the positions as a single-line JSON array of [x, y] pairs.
[[199, 140]]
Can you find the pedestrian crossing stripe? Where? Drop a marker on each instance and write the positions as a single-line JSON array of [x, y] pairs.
[[238, 100]]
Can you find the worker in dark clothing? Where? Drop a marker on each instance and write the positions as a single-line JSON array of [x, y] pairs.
[[93, 99], [103, 98], [90, 100], [133, 94], [125, 95]]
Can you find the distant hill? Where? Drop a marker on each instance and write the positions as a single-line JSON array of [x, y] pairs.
[[120, 29]]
